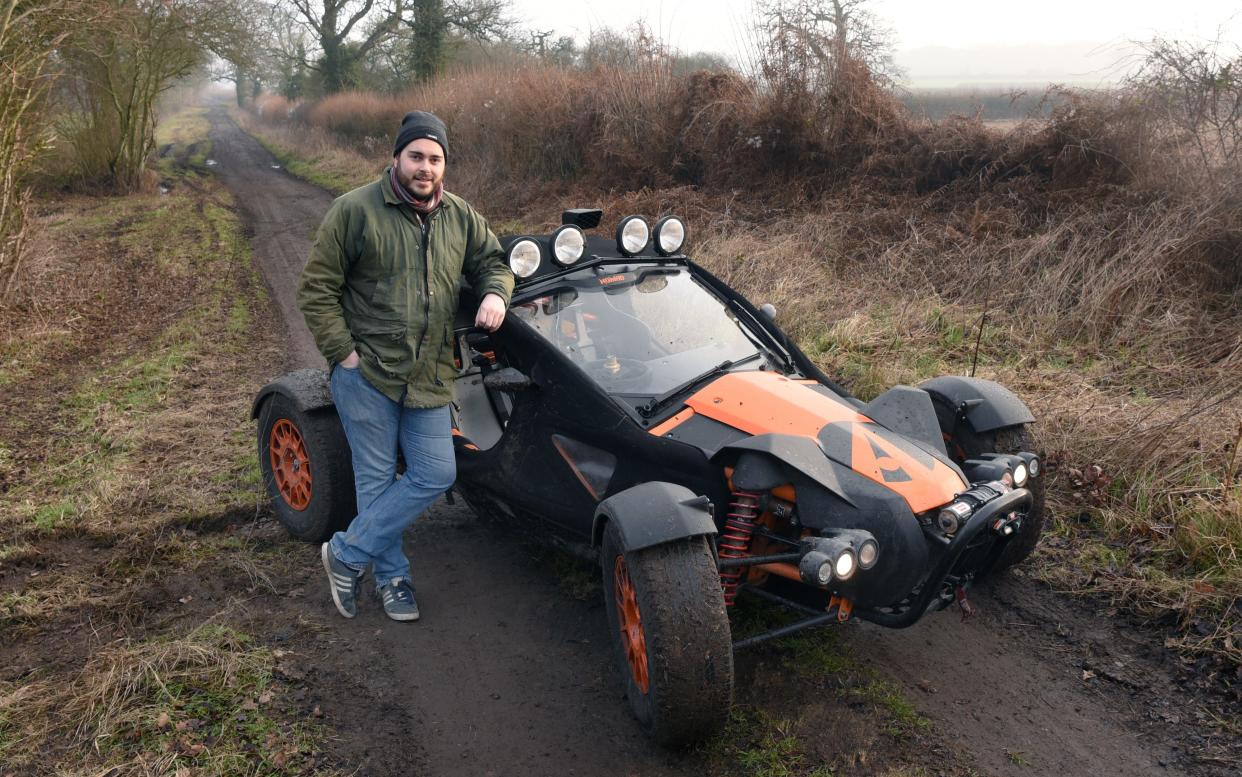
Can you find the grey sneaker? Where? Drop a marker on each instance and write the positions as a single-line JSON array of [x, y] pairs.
[[398, 599], [343, 582]]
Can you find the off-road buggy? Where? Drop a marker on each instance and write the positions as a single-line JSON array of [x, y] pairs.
[[638, 411]]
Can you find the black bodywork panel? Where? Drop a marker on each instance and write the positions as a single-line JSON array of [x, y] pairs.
[[527, 474], [910, 412], [801, 454], [988, 405]]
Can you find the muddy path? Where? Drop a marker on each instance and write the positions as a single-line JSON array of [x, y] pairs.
[[508, 674]]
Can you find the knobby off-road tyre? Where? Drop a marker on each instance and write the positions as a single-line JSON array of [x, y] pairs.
[[306, 468], [676, 660], [966, 443]]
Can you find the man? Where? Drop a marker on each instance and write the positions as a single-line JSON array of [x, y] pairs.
[[379, 294]]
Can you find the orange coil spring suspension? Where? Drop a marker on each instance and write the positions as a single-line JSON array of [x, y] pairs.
[[735, 539]]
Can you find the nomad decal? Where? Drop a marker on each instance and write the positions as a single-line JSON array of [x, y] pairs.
[[923, 481]]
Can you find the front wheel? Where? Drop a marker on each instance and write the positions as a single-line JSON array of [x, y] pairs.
[[307, 469], [670, 635]]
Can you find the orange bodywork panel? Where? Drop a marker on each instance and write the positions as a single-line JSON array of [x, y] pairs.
[[672, 423], [766, 403]]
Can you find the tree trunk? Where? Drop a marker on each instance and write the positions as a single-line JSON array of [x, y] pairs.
[[430, 26]]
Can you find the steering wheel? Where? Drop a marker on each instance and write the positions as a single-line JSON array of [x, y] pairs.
[[617, 372]]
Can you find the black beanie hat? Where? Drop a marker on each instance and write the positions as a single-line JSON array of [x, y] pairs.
[[420, 124]]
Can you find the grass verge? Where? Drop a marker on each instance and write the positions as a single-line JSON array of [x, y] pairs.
[[130, 498]]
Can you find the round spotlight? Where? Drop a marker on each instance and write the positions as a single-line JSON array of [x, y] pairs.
[[815, 568], [568, 245], [845, 564], [868, 554], [1033, 466], [632, 235], [670, 235], [1019, 475], [524, 257]]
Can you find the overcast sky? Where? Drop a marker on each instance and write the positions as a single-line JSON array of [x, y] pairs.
[[1006, 40]]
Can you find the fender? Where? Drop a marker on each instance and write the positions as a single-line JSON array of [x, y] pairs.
[[987, 405], [654, 513], [308, 389]]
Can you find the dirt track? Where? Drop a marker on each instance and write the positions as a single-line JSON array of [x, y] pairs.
[[507, 674]]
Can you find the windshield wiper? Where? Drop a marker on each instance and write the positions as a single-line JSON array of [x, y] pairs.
[[648, 409], [761, 331]]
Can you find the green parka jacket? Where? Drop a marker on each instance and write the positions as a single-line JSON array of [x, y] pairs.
[[382, 281]]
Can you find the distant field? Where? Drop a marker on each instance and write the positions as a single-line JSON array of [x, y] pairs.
[[1000, 105]]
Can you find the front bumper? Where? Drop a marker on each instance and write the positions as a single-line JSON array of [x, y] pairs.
[[998, 515]]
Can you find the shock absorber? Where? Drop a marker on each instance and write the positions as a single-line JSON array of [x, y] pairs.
[[734, 541]]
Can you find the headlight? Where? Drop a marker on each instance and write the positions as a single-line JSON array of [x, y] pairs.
[[524, 257], [1019, 475], [632, 235], [868, 554], [670, 235], [568, 245], [845, 564]]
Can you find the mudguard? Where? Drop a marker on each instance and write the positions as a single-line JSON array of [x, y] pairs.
[[987, 405], [653, 513], [308, 389]]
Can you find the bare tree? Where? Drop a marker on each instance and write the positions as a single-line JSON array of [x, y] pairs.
[[818, 38], [1194, 90], [433, 24], [30, 34], [119, 66], [332, 22]]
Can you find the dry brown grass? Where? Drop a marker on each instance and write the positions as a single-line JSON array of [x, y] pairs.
[[195, 703]]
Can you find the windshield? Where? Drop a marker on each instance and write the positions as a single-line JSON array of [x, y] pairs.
[[643, 332]]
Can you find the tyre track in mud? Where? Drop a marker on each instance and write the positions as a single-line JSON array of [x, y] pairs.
[[506, 674]]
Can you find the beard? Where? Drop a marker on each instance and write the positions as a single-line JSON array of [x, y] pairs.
[[413, 182]]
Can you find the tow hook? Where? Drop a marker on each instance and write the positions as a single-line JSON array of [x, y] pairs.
[[843, 606], [963, 604]]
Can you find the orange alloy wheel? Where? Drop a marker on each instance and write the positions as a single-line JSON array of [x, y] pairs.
[[290, 464], [631, 625]]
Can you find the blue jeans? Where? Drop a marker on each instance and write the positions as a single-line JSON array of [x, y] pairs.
[[375, 426]]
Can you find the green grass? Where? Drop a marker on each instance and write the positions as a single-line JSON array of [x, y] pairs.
[[184, 130], [759, 745]]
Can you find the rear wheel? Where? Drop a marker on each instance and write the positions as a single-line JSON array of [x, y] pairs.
[[306, 467], [964, 443], [671, 637]]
